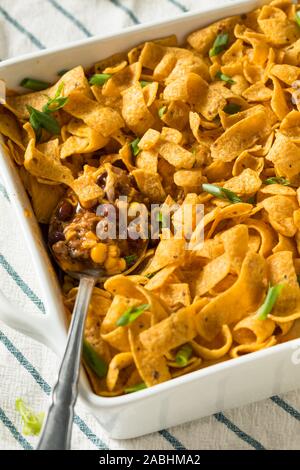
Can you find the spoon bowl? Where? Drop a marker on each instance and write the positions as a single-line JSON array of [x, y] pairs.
[[73, 260]]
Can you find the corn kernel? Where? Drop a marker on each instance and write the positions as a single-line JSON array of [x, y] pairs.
[[69, 234], [98, 253], [88, 244], [91, 236], [113, 251], [112, 264], [122, 264]]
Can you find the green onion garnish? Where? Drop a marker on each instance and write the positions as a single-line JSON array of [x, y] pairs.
[[41, 120], [134, 147], [221, 193], [269, 301], [94, 360], [132, 314], [100, 78], [277, 180], [35, 85], [183, 355], [219, 45], [56, 103], [225, 78], [297, 18], [144, 83], [232, 108], [162, 111], [130, 259], [32, 422], [135, 388]]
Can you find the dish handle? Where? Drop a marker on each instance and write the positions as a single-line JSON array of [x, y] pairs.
[[33, 325]]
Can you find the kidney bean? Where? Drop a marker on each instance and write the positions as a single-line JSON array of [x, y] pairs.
[[101, 180], [65, 211]]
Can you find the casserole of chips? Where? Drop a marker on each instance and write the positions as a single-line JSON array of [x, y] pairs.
[[215, 121]]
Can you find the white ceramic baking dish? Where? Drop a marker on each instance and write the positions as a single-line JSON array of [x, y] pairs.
[[201, 393]]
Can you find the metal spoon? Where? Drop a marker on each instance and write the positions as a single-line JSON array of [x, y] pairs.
[[57, 430]]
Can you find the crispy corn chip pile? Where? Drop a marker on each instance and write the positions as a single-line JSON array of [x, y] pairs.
[[219, 110]]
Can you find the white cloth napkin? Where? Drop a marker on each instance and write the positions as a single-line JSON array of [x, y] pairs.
[[28, 369]]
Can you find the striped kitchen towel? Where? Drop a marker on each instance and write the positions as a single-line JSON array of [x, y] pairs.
[[28, 369]]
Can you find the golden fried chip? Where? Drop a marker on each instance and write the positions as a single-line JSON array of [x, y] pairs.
[[213, 352], [102, 119], [168, 251], [248, 182], [266, 234], [278, 102], [238, 351], [150, 185], [44, 197], [235, 241], [134, 110], [122, 79], [73, 81], [231, 306], [176, 155], [280, 211], [117, 364], [44, 166], [213, 272], [202, 40], [10, 127], [281, 269], [83, 139], [285, 155], [172, 332], [230, 144], [278, 29], [152, 367], [257, 92]]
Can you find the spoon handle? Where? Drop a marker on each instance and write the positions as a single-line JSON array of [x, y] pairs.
[[57, 430]]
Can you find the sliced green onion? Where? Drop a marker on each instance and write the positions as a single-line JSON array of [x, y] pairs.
[[297, 18], [269, 302], [135, 388], [100, 78], [221, 193], [32, 422], [219, 45], [183, 355], [94, 360], [144, 83], [41, 120], [232, 108], [225, 78], [162, 111], [35, 85], [56, 103], [134, 147], [277, 180], [132, 314], [130, 259]]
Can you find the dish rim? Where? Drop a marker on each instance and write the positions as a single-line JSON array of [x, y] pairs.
[[97, 401]]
